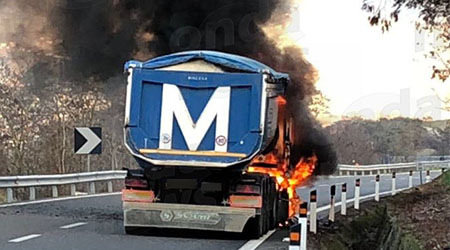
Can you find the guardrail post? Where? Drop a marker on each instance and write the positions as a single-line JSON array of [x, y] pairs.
[[419, 168], [303, 220], [73, 189], [54, 191], [91, 187], [332, 201], [297, 232], [294, 236], [344, 199], [393, 184], [32, 193], [357, 193], [410, 184], [313, 211], [428, 178], [110, 187], [377, 188], [9, 195]]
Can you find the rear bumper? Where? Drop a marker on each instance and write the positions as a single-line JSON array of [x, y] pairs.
[[184, 216]]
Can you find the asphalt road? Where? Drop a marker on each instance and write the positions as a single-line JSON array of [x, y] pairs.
[[96, 223]]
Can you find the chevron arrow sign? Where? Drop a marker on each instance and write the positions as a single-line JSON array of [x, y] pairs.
[[88, 140]]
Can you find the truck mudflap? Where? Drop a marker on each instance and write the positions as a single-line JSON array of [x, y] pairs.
[[185, 216]]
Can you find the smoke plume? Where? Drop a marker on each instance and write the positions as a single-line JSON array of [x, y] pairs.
[[98, 36]]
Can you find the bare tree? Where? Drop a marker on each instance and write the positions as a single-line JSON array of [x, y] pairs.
[[434, 17], [20, 117], [319, 105], [70, 109]]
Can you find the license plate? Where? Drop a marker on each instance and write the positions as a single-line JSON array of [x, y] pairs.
[[190, 217]]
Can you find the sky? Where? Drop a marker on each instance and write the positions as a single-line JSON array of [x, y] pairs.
[[363, 71]]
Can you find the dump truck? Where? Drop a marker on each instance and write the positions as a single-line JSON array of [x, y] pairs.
[[195, 122]]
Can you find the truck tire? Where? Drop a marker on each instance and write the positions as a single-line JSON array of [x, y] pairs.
[[274, 206], [254, 227], [283, 206], [267, 218], [266, 204]]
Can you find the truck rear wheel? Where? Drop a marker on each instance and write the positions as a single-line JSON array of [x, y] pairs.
[[274, 210], [265, 204], [258, 226], [255, 227], [283, 206]]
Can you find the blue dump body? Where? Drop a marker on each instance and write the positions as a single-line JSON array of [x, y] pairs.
[[198, 118]]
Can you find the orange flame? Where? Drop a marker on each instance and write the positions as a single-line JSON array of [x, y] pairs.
[[288, 179], [281, 100]]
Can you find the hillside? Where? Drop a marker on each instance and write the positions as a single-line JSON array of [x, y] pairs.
[[389, 140]]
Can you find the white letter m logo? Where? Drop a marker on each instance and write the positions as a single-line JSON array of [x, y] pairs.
[[217, 108]]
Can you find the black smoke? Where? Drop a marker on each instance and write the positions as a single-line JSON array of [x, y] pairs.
[[98, 36]]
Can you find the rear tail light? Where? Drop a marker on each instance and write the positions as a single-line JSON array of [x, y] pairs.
[[246, 201], [138, 195], [248, 189], [136, 183]]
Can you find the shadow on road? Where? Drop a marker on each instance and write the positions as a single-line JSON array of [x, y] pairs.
[[188, 233]]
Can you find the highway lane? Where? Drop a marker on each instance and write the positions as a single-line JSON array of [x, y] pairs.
[[38, 226], [103, 230]]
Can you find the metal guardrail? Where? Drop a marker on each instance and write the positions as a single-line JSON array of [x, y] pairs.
[[389, 168], [33, 181]]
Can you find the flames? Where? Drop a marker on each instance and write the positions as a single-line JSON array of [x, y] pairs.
[[287, 179], [277, 163]]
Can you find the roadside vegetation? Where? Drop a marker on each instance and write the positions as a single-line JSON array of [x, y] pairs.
[[39, 110], [415, 219], [359, 141]]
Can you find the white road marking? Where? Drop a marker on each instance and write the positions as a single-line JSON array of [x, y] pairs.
[[56, 199], [24, 238], [253, 244], [73, 225], [323, 185]]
